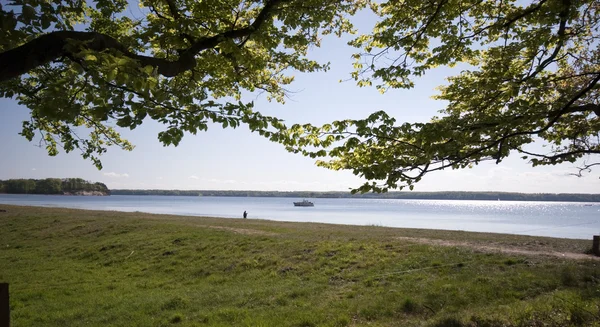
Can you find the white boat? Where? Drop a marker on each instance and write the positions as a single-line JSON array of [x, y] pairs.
[[304, 203]]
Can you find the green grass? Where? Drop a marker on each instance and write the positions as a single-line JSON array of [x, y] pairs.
[[92, 268]]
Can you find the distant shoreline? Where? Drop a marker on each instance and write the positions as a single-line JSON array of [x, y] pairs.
[[487, 196], [53, 186], [81, 193]]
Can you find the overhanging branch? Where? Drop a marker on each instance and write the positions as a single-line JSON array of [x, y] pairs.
[[52, 46]]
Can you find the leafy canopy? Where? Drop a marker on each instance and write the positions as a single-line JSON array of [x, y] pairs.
[[84, 66], [530, 73]]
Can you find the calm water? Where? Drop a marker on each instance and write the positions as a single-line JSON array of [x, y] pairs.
[[556, 219]]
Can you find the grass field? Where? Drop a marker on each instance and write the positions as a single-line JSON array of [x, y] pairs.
[[91, 268]]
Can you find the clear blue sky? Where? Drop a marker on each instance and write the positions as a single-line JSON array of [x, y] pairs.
[[236, 159]]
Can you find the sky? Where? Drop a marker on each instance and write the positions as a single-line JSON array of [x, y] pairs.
[[236, 159]]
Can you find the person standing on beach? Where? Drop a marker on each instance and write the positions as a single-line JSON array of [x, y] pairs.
[[245, 214]]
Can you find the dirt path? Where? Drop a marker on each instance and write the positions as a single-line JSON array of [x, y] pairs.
[[500, 248], [244, 231]]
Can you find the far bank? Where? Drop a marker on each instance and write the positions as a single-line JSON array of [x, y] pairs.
[[54, 186]]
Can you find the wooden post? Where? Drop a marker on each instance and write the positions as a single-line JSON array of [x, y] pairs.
[[596, 245], [4, 306]]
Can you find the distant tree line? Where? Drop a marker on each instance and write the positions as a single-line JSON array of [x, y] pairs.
[[504, 196], [75, 186]]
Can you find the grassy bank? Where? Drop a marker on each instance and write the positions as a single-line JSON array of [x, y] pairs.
[[91, 268]]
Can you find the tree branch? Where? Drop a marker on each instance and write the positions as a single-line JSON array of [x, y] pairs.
[[52, 46], [173, 9], [585, 108], [554, 158], [585, 168]]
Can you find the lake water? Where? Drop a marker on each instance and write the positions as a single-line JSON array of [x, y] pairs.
[[556, 219]]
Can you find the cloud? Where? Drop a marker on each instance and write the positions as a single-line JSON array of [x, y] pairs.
[[159, 178], [33, 169], [226, 181], [116, 175], [193, 177]]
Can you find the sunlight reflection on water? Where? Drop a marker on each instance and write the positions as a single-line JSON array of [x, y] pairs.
[[557, 219]]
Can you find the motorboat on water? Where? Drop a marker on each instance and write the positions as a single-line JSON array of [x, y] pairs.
[[304, 203]]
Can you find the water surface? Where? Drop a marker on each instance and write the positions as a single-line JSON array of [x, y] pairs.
[[556, 219]]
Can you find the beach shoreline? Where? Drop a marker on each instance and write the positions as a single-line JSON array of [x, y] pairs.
[[88, 267]]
